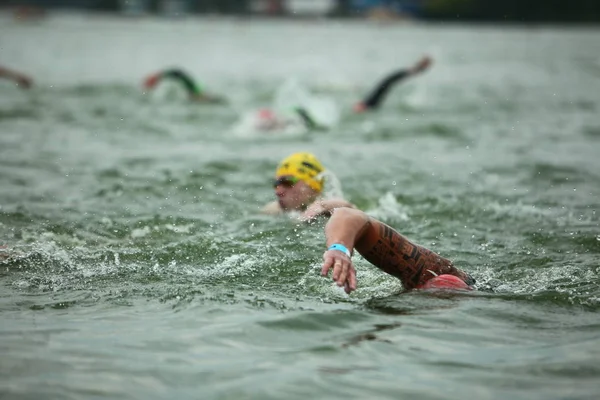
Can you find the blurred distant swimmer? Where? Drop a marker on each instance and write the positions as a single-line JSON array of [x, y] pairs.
[[22, 80], [298, 184], [28, 12], [376, 97], [416, 267], [194, 91], [268, 119], [3, 253]]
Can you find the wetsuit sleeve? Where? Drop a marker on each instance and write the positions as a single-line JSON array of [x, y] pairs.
[[308, 121], [377, 95], [186, 80]]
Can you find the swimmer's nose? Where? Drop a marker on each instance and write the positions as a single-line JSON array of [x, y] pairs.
[[280, 190]]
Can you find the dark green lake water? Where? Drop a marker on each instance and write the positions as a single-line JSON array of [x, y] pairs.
[[137, 265]]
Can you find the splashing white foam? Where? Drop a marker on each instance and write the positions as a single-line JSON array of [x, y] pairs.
[[389, 209], [332, 187], [282, 119]]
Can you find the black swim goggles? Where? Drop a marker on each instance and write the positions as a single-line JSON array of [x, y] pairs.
[[286, 181]]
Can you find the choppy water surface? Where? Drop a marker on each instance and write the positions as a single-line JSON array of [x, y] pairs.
[[137, 265]]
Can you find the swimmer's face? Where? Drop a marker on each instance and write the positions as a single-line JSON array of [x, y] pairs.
[[267, 120], [293, 194]]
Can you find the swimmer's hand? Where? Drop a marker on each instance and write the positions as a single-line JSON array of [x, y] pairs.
[[315, 210], [323, 208], [421, 65], [344, 273]]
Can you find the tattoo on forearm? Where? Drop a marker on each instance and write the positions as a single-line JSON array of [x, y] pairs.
[[397, 256]]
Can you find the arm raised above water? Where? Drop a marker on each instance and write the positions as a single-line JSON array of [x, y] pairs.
[[19, 78], [377, 95]]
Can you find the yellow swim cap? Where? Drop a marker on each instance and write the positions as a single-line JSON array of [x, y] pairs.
[[303, 166]]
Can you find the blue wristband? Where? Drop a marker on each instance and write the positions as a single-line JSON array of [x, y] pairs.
[[340, 247]]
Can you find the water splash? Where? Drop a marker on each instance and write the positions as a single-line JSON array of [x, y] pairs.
[[282, 118], [333, 186], [388, 209]]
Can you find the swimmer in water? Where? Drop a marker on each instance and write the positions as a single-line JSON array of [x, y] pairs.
[[22, 80], [376, 97], [268, 120], [298, 185], [3, 252], [416, 267], [194, 91]]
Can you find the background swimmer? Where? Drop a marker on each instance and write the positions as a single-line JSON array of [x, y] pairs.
[[376, 97], [193, 89], [296, 107], [22, 80]]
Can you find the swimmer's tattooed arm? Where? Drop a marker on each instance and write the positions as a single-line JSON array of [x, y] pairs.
[[385, 248], [395, 254]]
